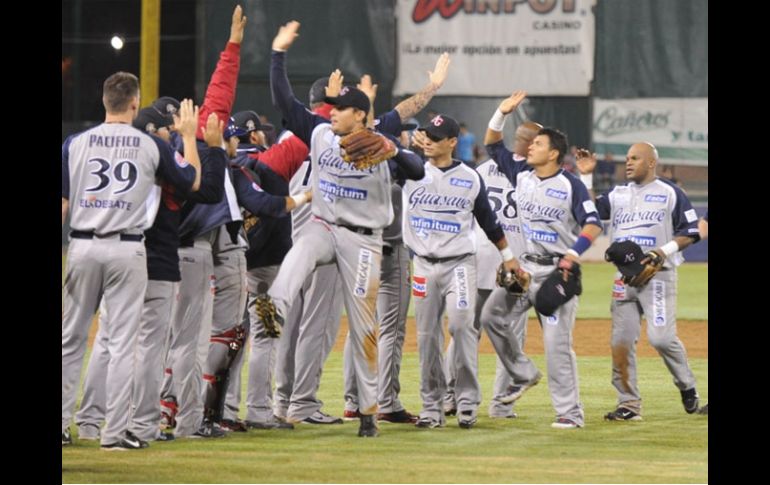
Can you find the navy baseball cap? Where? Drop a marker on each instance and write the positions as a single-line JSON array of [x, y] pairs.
[[318, 90], [555, 292], [626, 256], [441, 126], [149, 120], [350, 97], [166, 105], [249, 121], [232, 130]]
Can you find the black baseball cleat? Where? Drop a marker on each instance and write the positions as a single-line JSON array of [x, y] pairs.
[[66, 437], [128, 442], [402, 416], [513, 393], [690, 400], [268, 315], [466, 419], [622, 414], [209, 430], [235, 425], [368, 427]]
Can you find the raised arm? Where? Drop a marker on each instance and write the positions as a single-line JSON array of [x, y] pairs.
[[414, 104], [495, 129]]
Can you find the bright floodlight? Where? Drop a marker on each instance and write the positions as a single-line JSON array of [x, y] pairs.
[[116, 42]]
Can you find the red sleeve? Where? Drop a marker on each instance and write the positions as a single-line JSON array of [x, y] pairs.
[[284, 158], [220, 93]]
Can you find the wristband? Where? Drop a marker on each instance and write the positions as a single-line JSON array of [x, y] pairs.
[[506, 253], [299, 200], [498, 120], [588, 180], [670, 248]]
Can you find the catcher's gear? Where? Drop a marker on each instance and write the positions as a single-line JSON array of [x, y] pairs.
[[365, 148], [636, 267], [515, 282], [559, 288]]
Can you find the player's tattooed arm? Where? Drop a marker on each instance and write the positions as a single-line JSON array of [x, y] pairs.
[[414, 104]]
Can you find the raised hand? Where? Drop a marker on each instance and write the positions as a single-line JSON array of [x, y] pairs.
[[512, 102], [212, 132], [369, 89], [438, 74], [237, 26], [188, 118], [286, 35], [585, 161], [335, 84]]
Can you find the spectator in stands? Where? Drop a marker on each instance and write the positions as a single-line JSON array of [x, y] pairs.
[[466, 142]]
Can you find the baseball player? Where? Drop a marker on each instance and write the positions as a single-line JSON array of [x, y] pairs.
[[109, 172], [657, 216], [502, 199], [161, 242], [438, 226], [393, 297], [350, 207], [559, 222]]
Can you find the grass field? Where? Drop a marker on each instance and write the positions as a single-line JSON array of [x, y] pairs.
[[669, 446]]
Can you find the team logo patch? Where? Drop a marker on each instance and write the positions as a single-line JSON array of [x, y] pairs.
[[618, 290], [659, 303], [655, 198], [437, 121], [179, 159], [362, 273], [466, 184], [256, 187], [461, 285], [556, 194], [419, 286], [552, 320], [690, 215], [589, 206]]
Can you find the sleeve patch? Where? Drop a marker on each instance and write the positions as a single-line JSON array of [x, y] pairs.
[[589, 206], [690, 215], [180, 160]]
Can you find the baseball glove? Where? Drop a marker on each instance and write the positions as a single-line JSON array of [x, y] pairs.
[[365, 148], [651, 264], [517, 282]]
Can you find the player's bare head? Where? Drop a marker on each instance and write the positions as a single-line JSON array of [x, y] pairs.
[[351, 107], [525, 133], [121, 93], [549, 146], [641, 160]]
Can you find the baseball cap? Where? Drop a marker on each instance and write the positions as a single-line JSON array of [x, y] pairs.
[[554, 292], [249, 121], [166, 105], [350, 97], [233, 130], [150, 120], [626, 256], [408, 126], [441, 126], [318, 90]]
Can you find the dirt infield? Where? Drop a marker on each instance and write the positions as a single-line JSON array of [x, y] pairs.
[[592, 338]]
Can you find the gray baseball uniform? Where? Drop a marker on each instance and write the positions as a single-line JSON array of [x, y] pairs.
[[350, 208], [552, 212], [650, 215], [502, 199], [108, 176], [392, 305], [438, 225]]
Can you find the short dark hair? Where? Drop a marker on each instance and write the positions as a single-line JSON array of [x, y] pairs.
[[556, 141], [118, 91]]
